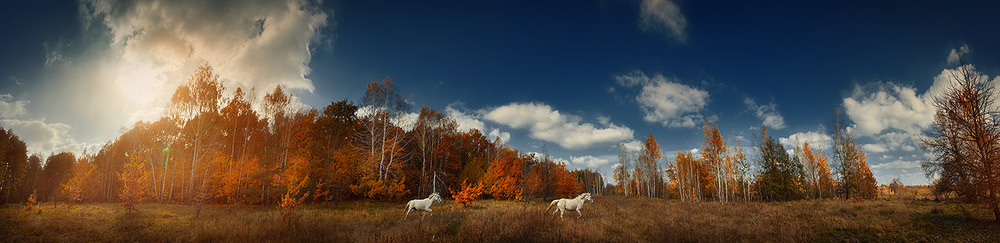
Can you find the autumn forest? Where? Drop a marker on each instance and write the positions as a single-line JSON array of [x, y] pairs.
[[217, 147], [498, 121]]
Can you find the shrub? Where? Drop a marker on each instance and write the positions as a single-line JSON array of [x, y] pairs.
[[468, 193]]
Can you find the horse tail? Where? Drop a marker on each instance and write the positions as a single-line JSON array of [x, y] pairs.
[[407, 207], [554, 202]]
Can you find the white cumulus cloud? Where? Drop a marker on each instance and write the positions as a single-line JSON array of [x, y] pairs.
[[465, 120], [10, 108], [815, 140], [881, 106], [896, 114], [956, 55], [258, 43], [404, 120], [666, 101], [767, 113], [131, 56], [663, 16], [547, 124], [874, 148], [496, 133], [898, 164], [46, 137], [634, 145], [590, 161]]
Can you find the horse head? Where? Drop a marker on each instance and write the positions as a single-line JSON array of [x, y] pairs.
[[586, 197], [435, 197]]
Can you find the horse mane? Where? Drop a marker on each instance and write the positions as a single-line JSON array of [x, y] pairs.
[[432, 195], [581, 195]]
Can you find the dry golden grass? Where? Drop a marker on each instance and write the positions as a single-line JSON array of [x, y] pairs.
[[613, 219]]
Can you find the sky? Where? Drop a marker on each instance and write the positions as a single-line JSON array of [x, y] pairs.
[[571, 78]]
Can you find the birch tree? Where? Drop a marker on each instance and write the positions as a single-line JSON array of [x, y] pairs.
[[198, 100], [621, 175]]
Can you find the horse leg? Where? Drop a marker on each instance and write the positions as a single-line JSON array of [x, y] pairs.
[[578, 212], [408, 210], [561, 212], [422, 215]]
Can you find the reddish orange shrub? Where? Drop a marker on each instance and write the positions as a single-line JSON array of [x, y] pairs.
[[468, 193]]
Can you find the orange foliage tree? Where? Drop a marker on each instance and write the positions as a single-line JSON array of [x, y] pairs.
[[569, 186], [647, 171], [547, 179], [590, 180], [72, 191], [621, 175], [715, 158], [964, 138], [817, 171], [856, 180], [335, 160], [684, 173], [462, 156], [196, 104], [503, 178], [867, 186], [468, 193], [134, 180]]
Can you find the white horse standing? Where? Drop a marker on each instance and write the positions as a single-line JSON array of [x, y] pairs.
[[422, 205], [574, 204]]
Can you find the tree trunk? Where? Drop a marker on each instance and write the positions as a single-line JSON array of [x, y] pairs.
[[994, 205], [194, 159]]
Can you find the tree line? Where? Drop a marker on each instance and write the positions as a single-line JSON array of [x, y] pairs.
[[964, 141], [723, 173], [237, 149], [210, 147]]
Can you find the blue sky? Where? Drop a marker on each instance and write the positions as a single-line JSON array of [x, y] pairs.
[[578, 77]]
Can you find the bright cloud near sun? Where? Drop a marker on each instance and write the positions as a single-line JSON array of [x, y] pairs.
[[135, 53], [252, 43], [10, 108]]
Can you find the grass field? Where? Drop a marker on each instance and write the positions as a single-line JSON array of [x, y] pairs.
[[608, 219]]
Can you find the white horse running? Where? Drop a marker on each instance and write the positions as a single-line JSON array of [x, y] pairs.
[[422, 205], [574, 204]]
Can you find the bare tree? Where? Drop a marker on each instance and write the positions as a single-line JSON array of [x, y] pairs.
[[965, 139], [856, 179]]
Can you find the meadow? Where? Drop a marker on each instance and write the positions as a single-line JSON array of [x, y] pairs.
[[610, 218]]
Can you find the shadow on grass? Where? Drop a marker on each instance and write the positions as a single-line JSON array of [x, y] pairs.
[[960, 222], [133, 226]]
